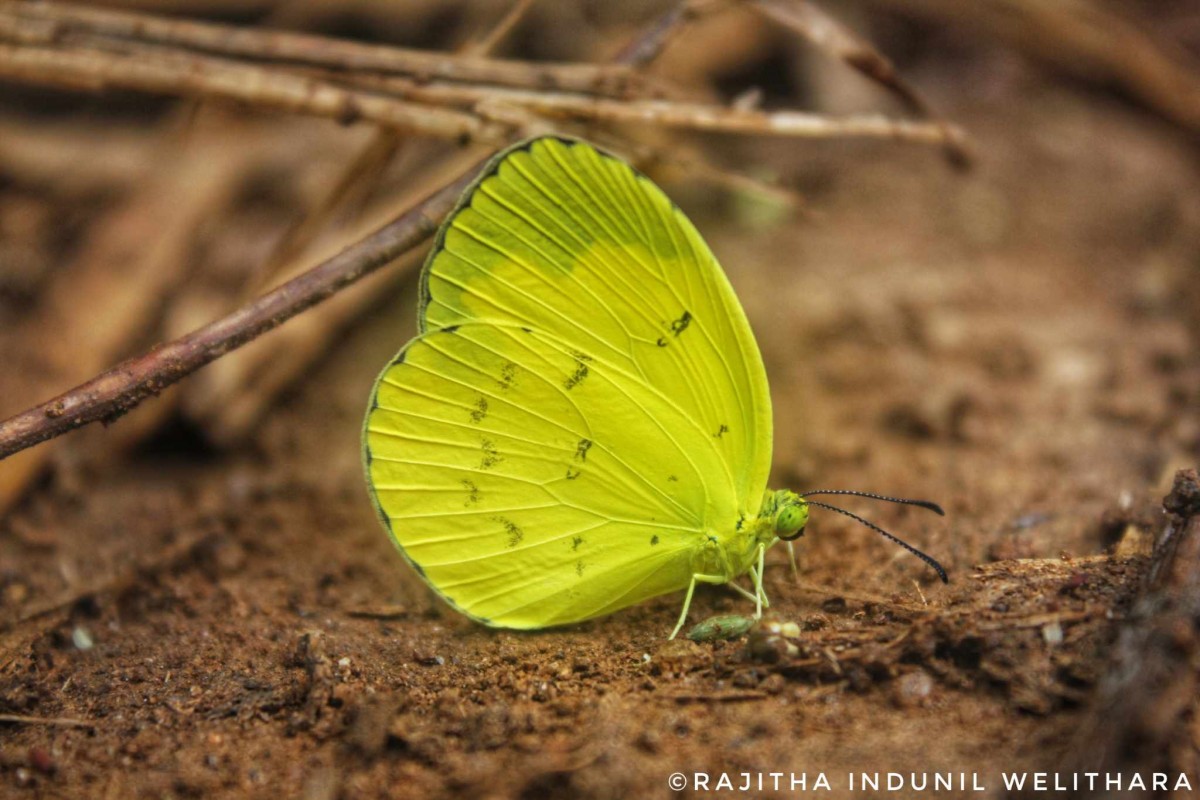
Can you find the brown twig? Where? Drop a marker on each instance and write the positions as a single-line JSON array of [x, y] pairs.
[[298, 48], [500, 31], [112, 393], [650, 43], [202, 76], [671, 114], [61, 722], [831, 36]]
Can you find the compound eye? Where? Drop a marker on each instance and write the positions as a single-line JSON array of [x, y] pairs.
[[791, 537]]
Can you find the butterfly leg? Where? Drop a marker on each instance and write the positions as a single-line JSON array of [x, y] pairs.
[[760, 596], [687, 601], [751, 596], [792, 560]]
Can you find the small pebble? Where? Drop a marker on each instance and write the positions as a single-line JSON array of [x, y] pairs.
[[912, 689], [82, 639]]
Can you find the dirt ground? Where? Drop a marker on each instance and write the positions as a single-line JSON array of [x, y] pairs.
[[1014, 342]]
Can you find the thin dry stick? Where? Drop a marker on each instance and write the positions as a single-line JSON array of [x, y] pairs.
[[324, 51], [698, 116], [650, 44], [201, 76], [834, 38], [495, 104], [500, 31], [112, 393], [61, 722], [837, 40]]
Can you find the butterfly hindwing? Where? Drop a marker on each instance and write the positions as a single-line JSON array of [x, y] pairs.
[[504, 472]]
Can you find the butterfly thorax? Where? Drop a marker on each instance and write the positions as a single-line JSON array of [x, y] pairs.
[[783, 515]]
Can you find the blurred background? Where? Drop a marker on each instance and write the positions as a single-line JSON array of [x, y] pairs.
[[967, 237]]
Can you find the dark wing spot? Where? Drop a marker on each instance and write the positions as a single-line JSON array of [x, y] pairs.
[[507, 373], [582, 449], [572, 474], [721, 431], [676, 327], [581, 370], [576, 377], [481, 410], [491, 456], [672, 479], [680, 325], [575, 542], [527, 330], [654, 540], [419, 569], [369, 457], [472, 492], [579, 568], [515, 534], [451, 328]]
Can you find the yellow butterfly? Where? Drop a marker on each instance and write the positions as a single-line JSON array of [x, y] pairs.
[[584, 421]]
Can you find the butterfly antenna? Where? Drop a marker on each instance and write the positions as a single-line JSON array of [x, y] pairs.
[[927, 559], [934, 507]]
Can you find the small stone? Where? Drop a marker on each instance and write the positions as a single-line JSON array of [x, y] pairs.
[[773, 683], [912, 689], [82, 639]]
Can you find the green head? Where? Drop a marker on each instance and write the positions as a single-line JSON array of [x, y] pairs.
[[791, 518]]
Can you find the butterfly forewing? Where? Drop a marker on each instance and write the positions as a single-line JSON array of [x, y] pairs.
[[576, 243]]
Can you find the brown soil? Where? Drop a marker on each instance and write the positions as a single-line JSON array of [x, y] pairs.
[[1010, 342]]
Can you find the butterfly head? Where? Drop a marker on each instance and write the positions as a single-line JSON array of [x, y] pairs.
[[790, 519]]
